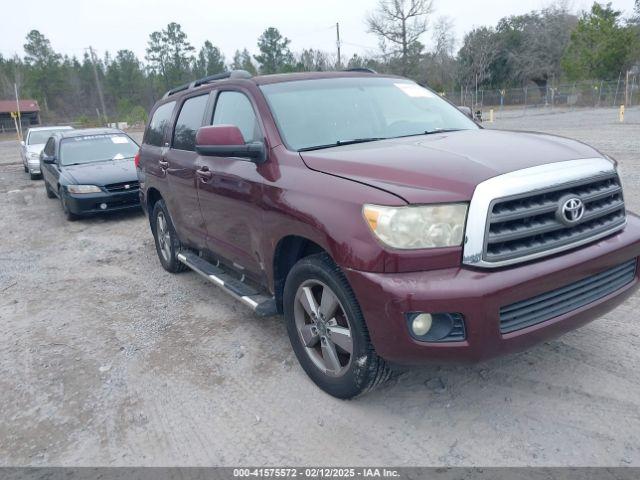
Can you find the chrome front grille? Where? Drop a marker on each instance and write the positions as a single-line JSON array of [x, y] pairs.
[[533, 223], [131, 186]]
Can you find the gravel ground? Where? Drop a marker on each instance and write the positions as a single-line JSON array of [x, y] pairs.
[[108, 360]]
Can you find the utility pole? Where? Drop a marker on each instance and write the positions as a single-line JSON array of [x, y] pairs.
[[98, 86], [338, 43], [626, 90], [19, 125]]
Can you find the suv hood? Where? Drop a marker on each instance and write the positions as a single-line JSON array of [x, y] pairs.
[[103, 173], [443, 167]]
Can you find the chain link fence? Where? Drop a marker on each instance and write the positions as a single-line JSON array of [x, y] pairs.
[[586, 94]]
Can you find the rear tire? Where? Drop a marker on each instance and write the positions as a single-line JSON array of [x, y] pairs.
[[322, 340], [166, 238], [26, 170]]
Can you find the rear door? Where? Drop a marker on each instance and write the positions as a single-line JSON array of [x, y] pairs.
[[181, 170], [231, 197], [153, 149]]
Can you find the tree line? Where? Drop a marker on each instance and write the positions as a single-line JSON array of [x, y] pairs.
[[540, 47]]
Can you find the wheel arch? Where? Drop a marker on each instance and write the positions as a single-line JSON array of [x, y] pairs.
[[289, 250], [152, 197]]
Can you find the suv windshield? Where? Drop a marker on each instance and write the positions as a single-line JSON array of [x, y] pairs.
[[318, 113], [40, 136], [96, 148]]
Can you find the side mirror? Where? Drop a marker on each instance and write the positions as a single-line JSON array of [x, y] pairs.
[[48, 159], [227, 141], [467, 111]]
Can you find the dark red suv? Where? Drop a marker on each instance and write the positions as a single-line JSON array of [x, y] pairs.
[[386, 225]]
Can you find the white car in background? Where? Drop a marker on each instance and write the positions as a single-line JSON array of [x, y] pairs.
[[33, 145]]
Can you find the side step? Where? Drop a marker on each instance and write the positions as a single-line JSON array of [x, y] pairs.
[[263, 305]]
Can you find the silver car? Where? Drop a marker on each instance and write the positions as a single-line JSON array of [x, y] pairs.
[[33, 145]]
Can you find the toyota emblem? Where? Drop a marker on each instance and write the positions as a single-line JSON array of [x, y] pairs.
[[571, 210]]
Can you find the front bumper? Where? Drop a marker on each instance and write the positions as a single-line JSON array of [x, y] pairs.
[[478, 294], [87, 204]]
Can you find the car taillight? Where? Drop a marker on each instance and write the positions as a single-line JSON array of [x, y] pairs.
[[136, 160]]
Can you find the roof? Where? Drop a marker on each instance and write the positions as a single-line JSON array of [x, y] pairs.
[[52, 127], [85, 132], [208, 83], [291, 77], [26, 106]]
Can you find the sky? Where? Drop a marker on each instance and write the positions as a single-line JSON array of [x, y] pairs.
[[74, 25]]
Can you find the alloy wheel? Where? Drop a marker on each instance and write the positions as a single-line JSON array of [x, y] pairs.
[[323, 328], [164, 236]]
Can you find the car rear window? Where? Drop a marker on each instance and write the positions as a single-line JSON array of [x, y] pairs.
[[40, 136], [96, 148]]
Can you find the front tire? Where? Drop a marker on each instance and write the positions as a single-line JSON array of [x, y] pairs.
[[70, 216], [34, 176], [166, 239], [327, 329], [48, 190]]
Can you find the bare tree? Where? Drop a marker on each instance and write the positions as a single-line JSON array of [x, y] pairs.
[[532, 45], [476, 55], [441, 63], [311, 60], [401, 23], [444, 38]]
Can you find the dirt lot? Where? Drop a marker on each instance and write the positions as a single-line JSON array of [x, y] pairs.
[[106, 359]]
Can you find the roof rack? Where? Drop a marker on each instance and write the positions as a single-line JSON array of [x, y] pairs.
[[360, 69], [209, 79]]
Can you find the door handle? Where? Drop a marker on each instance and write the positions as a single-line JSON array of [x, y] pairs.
[[204, 173], [163, 164]]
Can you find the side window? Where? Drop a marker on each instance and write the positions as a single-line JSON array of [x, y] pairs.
[[49, 148], [189, 121], [159, 121], [234, 108]]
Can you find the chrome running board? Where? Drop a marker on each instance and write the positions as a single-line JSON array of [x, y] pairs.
[[263, 305]]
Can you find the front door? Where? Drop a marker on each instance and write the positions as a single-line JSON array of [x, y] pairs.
[[50, 171], [231, 193]]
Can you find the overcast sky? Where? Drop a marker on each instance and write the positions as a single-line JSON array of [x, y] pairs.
[[73, 25]]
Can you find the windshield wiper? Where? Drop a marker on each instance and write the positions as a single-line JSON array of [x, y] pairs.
[[340, 143], [432, 132], [97, 161]]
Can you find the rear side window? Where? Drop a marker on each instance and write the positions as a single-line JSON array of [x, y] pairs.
[[234, 108], [159, 121], [189, 121]]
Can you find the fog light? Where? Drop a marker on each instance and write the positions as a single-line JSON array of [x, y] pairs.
[[103, 206], [421, 324], [436, 327]]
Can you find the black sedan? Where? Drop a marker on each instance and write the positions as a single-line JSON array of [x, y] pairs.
[[91, 171]]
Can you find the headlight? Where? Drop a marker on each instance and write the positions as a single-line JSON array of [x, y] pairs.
[[427, 226], [83, 189]]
